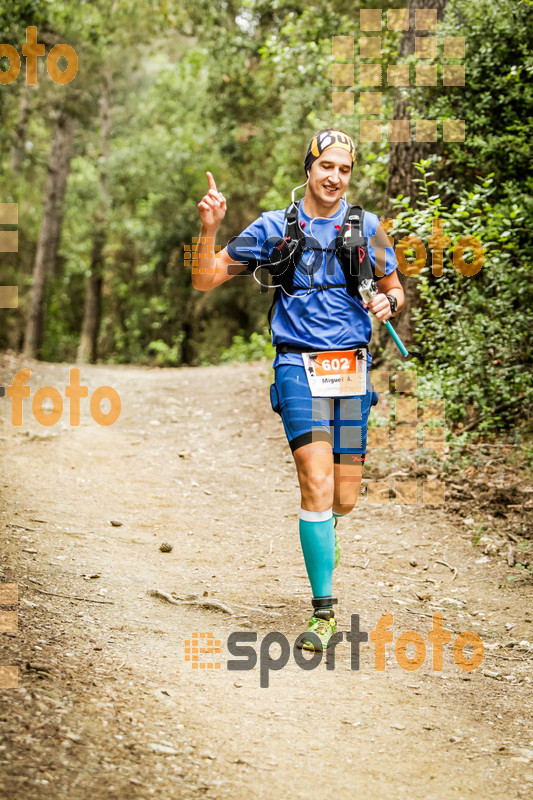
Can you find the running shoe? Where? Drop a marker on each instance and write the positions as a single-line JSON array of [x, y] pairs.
[[323, 625]]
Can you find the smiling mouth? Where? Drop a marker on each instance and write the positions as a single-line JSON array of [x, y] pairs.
[[330, 190]]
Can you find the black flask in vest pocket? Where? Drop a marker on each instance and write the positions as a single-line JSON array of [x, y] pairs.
[[274, 398]]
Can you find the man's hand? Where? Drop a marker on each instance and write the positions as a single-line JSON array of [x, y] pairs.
[[380, 306], [212, 206]]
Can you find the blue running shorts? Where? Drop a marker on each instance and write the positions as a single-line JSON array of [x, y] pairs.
[[341, 421]]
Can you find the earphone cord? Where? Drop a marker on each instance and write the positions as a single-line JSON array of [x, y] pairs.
[[278, 285], [341, 209]]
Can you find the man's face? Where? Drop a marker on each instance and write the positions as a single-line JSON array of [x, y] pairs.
[[329, 176]]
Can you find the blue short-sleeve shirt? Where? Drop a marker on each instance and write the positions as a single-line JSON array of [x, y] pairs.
[[325, 320]]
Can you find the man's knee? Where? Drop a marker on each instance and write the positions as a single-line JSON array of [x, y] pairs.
[[316, 481], [315, 476], [344, 508]]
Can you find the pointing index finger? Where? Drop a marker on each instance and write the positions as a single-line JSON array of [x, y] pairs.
[[211, 181]]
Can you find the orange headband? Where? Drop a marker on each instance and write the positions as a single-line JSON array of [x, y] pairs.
[[323, 141]]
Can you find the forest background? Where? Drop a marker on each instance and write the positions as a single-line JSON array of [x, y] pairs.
[[108, 169]]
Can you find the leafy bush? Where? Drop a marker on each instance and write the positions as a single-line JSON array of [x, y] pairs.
[[166, 356], [476, 331], [256, 348]]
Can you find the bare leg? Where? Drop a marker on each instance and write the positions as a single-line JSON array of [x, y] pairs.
[[347, 478], [314, 463]]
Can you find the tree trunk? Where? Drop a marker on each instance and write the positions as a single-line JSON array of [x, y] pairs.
[[404, 154], [50, 233], [401, 159], [88, 346], [18, 146]]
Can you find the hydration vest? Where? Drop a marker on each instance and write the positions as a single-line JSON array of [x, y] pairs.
[[350, 248]]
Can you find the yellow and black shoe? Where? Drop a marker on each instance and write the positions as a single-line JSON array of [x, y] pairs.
[[323, 625]]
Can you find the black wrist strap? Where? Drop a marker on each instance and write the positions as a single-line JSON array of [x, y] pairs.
[[393, 302]]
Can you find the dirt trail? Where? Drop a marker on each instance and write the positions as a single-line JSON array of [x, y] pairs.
[[109, 708]]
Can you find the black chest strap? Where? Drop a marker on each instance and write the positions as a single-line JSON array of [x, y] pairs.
[[351, 250]]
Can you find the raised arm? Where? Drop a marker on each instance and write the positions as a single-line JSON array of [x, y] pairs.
[[210, 269]]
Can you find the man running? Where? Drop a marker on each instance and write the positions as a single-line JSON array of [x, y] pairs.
[[326, 434]]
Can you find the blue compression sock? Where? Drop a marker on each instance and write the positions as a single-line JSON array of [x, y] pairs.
[[317, 537]]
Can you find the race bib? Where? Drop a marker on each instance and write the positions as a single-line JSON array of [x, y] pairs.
[[336, 373]]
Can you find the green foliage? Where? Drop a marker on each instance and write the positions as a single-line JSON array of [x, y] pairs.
[[16, 15], [165, 355], [476, 331], [256, 348], [238, 88], [497, 99]]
